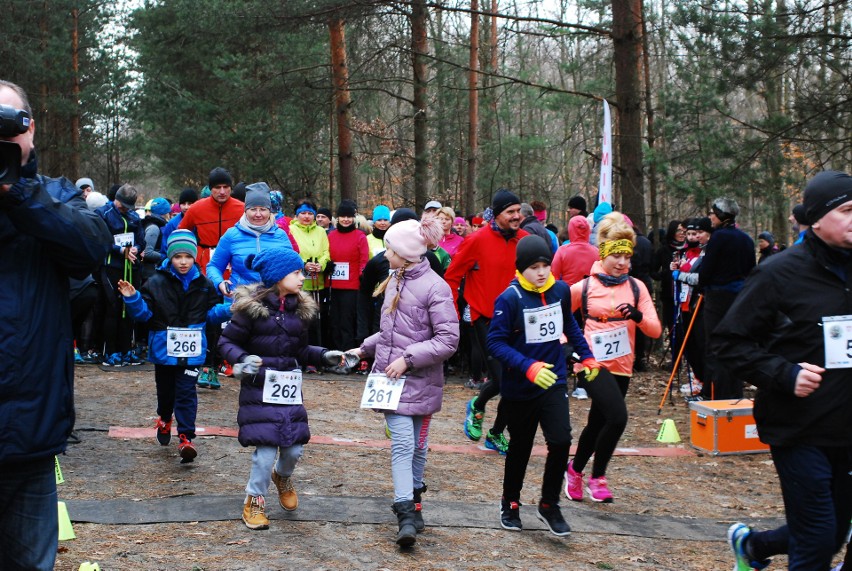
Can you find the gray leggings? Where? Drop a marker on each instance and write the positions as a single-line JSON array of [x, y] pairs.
[[262, 460], [409, 442]]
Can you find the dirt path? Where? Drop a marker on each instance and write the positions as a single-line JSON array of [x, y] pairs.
[[715, 489]]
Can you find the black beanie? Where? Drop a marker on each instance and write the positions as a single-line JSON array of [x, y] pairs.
[[325, 211], [219, 176], [239, 191], [403, 214], [577, 202], [825, 192], [702, 223], [346, 208], [188, 195], [799, 214], [532, 249], [112, 190], [502, 200]]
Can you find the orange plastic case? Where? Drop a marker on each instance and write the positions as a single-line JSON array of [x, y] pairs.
[[723, 427]]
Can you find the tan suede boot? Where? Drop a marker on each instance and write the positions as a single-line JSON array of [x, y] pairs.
[[286, 492], [254, 513]]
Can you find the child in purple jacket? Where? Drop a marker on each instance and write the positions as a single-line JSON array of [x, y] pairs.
[[419, 330], [267, 339]]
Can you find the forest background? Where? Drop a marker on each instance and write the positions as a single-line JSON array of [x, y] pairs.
[[402, 102]]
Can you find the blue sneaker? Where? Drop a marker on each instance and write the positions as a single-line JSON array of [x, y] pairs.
[[113, 360], [203, 377], [78, 358], [496, 442], [131, 359], [737, 535]]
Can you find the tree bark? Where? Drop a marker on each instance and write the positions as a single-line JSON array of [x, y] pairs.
[[343, 101], [473, 111], [75, 90], [627, 39], [419, 51]]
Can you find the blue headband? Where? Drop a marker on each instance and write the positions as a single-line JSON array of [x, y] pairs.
[[305, 208]]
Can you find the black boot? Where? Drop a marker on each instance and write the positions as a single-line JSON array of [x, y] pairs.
[[418, 513], [405, 516]]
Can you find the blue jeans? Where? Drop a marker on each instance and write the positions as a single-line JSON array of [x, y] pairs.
[[409, 443], [262, 460], [817, 490], [29, 516]]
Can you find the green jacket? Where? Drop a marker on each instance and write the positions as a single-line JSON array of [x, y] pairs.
[[313, 247]]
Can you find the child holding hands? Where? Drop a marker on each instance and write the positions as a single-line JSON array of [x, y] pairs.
[[177, 302], [419, 330], [530, 319], [267, 339]]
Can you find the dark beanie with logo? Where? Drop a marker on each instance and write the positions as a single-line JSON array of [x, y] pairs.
[[825, 192], [219, 176], [503, 199]]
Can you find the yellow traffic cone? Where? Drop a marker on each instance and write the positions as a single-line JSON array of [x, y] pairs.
[[88, 566], [66, 532], [668, 432], [58, 470]]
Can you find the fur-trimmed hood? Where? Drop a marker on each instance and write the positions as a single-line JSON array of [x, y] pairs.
[[255, 301]]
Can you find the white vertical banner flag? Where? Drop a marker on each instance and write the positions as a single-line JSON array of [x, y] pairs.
[[605, 186]]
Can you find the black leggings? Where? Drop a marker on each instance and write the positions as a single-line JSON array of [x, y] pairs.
[[551, 411], [495, 372], [606, 423]]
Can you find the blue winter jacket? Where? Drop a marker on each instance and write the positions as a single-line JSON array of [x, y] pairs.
[[48, 235], [235, 246], [169, 299], [170, 227], [507, 339], [119, 223]]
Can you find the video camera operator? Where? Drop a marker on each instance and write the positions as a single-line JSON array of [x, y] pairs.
[[46, 236]]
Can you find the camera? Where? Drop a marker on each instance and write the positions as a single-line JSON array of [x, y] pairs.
[[13, 122]]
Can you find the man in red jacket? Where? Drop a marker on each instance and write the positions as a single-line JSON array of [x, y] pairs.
[[486, 261], [211, 217]]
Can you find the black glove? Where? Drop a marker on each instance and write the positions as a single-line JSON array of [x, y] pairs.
[[630, 312], [332, 358]]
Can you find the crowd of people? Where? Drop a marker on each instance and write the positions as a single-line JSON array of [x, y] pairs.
[[225, 282]]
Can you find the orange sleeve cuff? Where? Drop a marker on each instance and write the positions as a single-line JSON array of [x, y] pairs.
[[534, 369]]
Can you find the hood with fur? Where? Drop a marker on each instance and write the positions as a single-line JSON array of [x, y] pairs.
[[251, 300]]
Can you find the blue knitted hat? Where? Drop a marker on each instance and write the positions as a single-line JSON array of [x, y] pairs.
[[274, 264], [160, 206], [381, 212], [182, 242]]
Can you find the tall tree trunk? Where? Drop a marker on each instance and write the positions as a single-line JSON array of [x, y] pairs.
[[442, 143], [343, 101], [652, 137], [419, 51], [473, 104], [627, 39], [73, 174]]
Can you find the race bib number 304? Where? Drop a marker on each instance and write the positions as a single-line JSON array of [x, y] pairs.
[[612, 344], [837, 333], [341, 271], [183, 343], [543, 324], [380, 392], [282, 387]]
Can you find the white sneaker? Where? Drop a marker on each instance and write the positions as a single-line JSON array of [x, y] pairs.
[[580, 394], [692, 389]]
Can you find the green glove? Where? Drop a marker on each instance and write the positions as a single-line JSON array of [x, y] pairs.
[[540, 374]]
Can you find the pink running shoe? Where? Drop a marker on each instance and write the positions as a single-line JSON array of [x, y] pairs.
[[599, 491], [573, 484]]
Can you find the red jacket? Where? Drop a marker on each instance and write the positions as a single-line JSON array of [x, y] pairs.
[[487, 259], [210, 220], [350, 253]]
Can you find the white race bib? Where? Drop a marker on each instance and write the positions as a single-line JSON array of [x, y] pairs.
[[123, 239], [612, 344], [382, 392], [182, 343], [282, 387], [341, 271], [837, 332], [543, 324], [684, 293]]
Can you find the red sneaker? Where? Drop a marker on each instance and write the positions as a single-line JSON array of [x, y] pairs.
[[186, 450], [164, 431]]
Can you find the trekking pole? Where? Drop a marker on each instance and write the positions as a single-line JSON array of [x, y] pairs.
[[676, 364]]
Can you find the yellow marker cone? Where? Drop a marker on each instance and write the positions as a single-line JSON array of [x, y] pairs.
[[66, 532], [668, 433], [58, 470], [87, 566]]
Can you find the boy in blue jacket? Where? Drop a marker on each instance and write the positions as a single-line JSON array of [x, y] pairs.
[[177, 302], [530, 320]]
